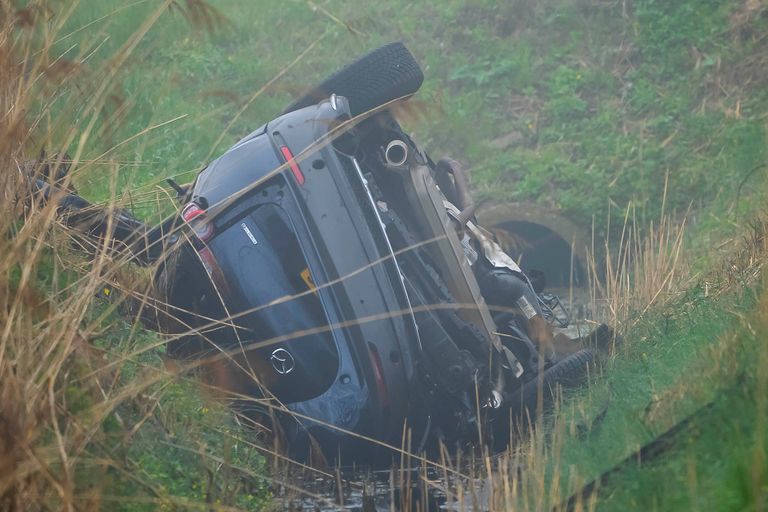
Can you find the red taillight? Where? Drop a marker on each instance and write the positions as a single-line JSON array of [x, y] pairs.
[[191, 212], [213, 270], [195, 217], [378, 374], [292, 164]]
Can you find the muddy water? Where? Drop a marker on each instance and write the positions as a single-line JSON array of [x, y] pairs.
[[367, 491], [385, 490], [360, 489]]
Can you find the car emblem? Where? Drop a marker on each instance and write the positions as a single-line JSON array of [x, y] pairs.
[[282, 361], [248, 232]]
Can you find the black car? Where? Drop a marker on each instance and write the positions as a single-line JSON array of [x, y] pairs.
[[334, 276]]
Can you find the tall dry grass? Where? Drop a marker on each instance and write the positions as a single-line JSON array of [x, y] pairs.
[[41, 334], [644, 268], [47, 324], [58, 388], [47, 460]]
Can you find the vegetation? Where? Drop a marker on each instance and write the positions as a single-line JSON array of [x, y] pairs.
[[688, 384], [643, 109], [579, 105]]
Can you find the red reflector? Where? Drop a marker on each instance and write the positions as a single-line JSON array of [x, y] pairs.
[[213, 270], [378, 373], [206, 256], [292, 164]]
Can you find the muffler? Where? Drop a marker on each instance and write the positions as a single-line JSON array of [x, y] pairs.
[[396, 153]]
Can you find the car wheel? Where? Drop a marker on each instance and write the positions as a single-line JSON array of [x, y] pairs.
[[386, 73], [568, 372]]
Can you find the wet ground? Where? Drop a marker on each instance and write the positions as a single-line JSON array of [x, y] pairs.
[[385, 490], [367, 491]]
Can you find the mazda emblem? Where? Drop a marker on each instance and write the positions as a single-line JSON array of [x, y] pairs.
[[282, 361]]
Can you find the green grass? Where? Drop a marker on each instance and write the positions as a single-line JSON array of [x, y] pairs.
[[711, 466], [673, 364], [719, 461], [169, 445], [697, 350], [606, 105]]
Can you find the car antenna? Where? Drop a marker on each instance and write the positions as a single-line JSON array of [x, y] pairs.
[[180, 191]]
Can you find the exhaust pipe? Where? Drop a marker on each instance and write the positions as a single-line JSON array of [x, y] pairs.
[[396, 153]]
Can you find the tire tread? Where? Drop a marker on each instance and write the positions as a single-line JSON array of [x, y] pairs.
[[384, 74]]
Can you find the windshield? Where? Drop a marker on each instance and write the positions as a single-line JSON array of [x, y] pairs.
[[272, 284]]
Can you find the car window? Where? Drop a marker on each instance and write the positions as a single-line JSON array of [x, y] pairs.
[[272, 286]]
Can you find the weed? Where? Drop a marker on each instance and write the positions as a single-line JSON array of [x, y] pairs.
[[77, 432], [631, 106]]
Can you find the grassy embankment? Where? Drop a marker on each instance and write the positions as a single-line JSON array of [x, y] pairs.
[[595, 107]]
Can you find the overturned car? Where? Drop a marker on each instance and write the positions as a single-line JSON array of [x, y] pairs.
[[332, 277]]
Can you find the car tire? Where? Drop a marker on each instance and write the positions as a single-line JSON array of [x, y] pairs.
[[382, 75], [568, 372]]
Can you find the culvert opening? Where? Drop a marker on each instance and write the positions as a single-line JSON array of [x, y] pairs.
[[536, 246]]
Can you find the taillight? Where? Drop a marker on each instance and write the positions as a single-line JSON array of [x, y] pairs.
[[195, 217], [292, 164], [213, 270]]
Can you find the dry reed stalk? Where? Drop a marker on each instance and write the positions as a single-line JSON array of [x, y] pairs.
[[643, 270], [44, 334], [46, 354], [45, 349]]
